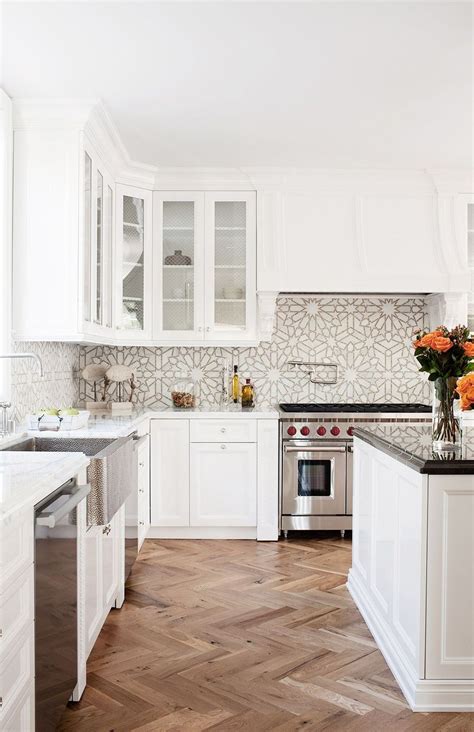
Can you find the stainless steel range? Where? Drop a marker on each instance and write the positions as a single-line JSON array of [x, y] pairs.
[[316, 459]]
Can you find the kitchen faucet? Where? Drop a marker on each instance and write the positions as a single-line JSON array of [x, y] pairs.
[[6, 405]]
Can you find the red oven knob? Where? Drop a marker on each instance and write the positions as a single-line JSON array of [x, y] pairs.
[[321, 431], [350, 431], [335, 431], [304, 431], [291, 431]]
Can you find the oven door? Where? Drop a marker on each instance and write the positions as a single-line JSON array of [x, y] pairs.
[[314, 479]]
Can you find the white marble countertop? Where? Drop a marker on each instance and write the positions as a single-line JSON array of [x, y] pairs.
[[28, 477], [104, 424]]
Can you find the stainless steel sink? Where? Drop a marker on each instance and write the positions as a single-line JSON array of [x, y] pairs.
[[111, 472]]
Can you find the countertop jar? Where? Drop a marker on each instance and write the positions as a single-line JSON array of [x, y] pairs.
[[182, 392]]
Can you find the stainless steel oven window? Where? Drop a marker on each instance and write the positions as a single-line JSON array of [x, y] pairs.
[[314, 478]]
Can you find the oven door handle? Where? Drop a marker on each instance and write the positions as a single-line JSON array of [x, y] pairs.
[[314, 449]]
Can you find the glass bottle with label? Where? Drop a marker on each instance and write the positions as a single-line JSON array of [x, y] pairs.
[[235, 385], [248, 395]]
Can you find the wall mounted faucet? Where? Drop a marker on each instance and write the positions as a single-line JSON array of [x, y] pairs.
[[310, 368]]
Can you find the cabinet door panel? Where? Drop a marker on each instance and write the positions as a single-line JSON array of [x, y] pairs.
[[450, 592], [223, 484], [169, 487], [230, 288], [93, 583], [179, 265], [134, 258], [109, 562]]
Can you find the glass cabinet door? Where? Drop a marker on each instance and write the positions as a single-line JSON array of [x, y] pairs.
[[179, 224], [135, 262], [231, 286], [98, 207]]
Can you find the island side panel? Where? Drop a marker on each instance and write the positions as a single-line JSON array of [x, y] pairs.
[[450, 585], [388, 576]]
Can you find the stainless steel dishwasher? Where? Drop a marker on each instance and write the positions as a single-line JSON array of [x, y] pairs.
[[56, 603]]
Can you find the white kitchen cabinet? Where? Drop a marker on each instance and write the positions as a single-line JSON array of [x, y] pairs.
[[179, 266], [223, 486], [93, 596], [214, 477], [205, 267], [103, 563], [411, 576], [97, 244], [134, 264], [450, 579], [143, 500], [169, 472], [62, 236]]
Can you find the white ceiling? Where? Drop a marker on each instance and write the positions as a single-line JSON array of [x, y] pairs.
[[258, 84]]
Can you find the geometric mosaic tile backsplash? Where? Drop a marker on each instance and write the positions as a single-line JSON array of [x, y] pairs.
[[369, 337]]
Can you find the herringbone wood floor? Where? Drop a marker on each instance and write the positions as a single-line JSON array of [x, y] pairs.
[[239, 635]]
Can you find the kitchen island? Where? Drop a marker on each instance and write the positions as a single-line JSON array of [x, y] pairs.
[[412, 574]]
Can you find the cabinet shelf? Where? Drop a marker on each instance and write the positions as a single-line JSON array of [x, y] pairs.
[[178, 266], [177, 299], [229, 299], [132, 264], [178, 228], [134, 226], [128, 298], [229, 228]]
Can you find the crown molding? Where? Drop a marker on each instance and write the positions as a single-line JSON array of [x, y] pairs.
[[452, 181]]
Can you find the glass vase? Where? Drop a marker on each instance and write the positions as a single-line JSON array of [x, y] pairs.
[[446, 424]]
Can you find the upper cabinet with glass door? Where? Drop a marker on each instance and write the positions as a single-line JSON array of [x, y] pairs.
[[204, 249], [230, 302], [98, 246], [134, 263], [179, 265]]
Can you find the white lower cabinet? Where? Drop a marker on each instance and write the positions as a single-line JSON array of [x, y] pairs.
[[170, 472], [103, 559], [205, 480], [223, 484]]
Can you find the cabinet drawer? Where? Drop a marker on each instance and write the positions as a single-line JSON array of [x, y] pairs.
[[16, 547], [17, 607], [16, 669], [223, 430]]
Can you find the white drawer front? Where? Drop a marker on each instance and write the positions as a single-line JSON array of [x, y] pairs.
[[222, 430], [16, 668], [16, 547], [17, 607]]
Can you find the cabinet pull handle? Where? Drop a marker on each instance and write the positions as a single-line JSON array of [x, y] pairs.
[[223, 447]]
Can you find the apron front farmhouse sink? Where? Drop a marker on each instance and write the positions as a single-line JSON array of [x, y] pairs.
[[111, 471]]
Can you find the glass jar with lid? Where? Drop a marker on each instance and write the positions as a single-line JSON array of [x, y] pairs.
[[182, 392]]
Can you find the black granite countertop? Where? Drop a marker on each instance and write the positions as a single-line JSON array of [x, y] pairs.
[[411, 445]]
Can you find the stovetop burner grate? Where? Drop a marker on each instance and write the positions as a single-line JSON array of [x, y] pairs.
[[414, 408]]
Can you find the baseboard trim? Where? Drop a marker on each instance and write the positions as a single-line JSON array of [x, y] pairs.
[[202, 532], [422, 695]]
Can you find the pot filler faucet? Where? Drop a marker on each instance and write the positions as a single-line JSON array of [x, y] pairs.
[[6, 405]]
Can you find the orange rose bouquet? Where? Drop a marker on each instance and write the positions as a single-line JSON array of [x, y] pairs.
[[444, 353], [447, 356]]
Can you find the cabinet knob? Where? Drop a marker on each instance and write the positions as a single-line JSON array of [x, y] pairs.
[[223, 429], [208, 329], [141, 465], [223, 447], [140, 490], [141, 523], [200, 329]]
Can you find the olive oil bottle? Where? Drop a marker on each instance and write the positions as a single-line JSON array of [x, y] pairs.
[[235, 385]]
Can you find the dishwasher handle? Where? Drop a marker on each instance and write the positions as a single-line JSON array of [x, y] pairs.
[[51, 518]]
